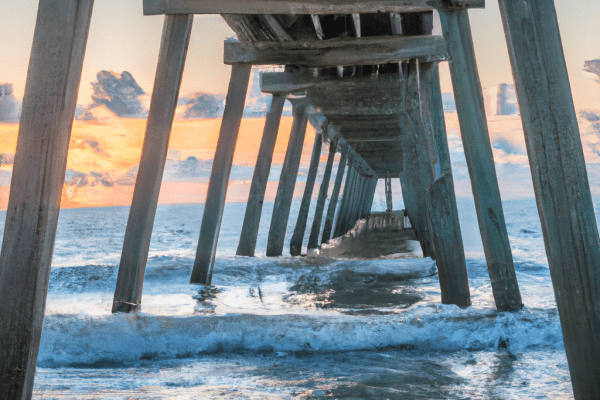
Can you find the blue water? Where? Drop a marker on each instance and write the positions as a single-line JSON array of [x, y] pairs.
[[318, 328], [271, 328]]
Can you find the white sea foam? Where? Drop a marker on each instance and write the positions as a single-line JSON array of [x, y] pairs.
[[85, 339]]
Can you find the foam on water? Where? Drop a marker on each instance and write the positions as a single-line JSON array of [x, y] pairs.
[[357, 327]]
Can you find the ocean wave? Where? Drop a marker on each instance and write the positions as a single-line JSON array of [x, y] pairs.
[[78, 340]]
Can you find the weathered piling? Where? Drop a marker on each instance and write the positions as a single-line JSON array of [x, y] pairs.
[[342, 215], [171, 60], [287, 180], [38, 175], [300, 228], [260, 178], [339, 177], [446, 235], [219, 176], [450, 260], [360, 199], [480, 160], [388, 195], [368, 203], [313, 240], [560, 182], [417, 174]]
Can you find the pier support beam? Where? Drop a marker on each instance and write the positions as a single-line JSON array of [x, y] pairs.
[[480, 161], [441, 201], [287, 181], [173, 49], [346, 198], [417, 174], [368, 203], [335, 193], [53, 78], [560, 182], [388, 195], [298, 236], [313, 240], [260, 178], [219, 176]]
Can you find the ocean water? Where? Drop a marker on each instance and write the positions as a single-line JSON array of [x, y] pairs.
[[292, 327], [279, 328]]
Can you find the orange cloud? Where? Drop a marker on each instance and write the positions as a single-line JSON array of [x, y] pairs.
[[103, 158]]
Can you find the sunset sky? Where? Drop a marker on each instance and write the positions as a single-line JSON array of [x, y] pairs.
[[122, 39]]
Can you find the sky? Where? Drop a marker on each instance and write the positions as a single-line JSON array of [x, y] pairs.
[[122, 38], [104, 154]]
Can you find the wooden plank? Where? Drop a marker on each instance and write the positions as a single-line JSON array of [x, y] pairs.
[[287, 180], [173, 49], [560, 182], [53, 79], [155, 7], [302, 80], [384, 157], [345, 51], [480, 160], [219, 176], [352, 155], [300, 228], [260, 178], [448, 245], [313, 240], [339, 177]]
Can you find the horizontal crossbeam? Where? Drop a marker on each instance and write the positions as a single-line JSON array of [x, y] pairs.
[[361, 165], [154, 7], [303, 80], [348, 51]]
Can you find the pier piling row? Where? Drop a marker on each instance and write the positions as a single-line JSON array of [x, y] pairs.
[[375, 93]]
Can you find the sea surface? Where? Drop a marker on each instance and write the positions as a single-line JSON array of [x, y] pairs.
[[292, 327], [305, 327]]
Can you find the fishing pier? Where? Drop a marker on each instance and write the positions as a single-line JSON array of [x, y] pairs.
[[366, 74]]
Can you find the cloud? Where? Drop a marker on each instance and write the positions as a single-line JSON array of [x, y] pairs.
[[75, 180], [128, 178], [7, 159], [201, 105], [448, 102], [509, 147], [592, 66], [117, 93], [190, 169], [9, 106]]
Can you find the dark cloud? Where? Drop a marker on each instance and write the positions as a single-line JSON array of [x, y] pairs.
[[592, 66], [128, 179], [201, 105], [77, 179], [119, 93], [190, 169], [9, 106], [589, 115], [95, 146], [7, 159]]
